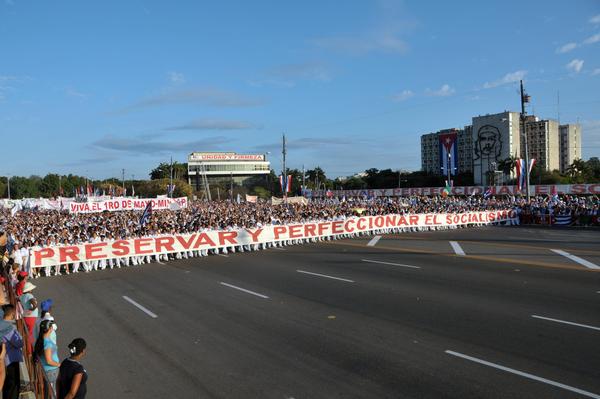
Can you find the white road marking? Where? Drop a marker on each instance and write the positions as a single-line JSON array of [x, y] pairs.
[[565, 322], [526, 375], [326, 276], [223, 255], [245, 290], [577, 259], [457, 248], [279, 249], [140, 307], [390, 263], [374, 241]]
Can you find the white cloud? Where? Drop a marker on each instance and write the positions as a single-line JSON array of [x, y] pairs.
[[384, 35], [595, 19], [382, 43], [403, 95], [71, 92], [596, 72], [566, 48], [575, 65], [202, 96], [592, 39], [214, 124], [443, 91], [176, 77], [506, 79]]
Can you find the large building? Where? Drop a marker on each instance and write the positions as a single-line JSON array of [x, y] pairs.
[[543, 142], [570, 145], [432, 151], [495, 138], [225, 167], [482, 146]]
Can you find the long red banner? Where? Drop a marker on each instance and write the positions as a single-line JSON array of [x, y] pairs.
[[215, 239]]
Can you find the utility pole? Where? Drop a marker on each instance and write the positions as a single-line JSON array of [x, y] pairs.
[[448, 170], [231, 185], [8, 181], [525, 99], [171, 179], [283, 173], [303, 181], [123, 180], [59, 185]]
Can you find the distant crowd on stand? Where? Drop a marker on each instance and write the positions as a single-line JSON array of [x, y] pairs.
[[27, 230]]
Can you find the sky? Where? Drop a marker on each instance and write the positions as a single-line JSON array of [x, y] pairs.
[[94, 87]]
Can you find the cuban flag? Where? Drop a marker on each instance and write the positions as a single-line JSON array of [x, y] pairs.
[[286, 186], [146, 215], [563, 220], [448, 146], [487, 193], [522, 172]]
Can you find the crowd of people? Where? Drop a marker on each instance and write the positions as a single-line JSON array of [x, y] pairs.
[[66, 379], [26, 230], [30, 229]]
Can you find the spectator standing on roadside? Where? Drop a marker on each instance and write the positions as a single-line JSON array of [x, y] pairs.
[[14, 353], [72, 377], [30, 309], [47, 352], [45, 309]]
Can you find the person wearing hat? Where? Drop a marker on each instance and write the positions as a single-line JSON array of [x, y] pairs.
[[45, 308], [30, 309]]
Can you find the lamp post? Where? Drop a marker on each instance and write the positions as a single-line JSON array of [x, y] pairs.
[[8, 182]]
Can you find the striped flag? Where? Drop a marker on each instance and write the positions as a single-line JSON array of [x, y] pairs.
[[522, 172], [146, 215], [563, 220], [286, 186], [487, 193]]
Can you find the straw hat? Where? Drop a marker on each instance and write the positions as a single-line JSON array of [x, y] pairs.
[[28, 287]]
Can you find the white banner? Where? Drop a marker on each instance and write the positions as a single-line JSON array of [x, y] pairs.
[[127, 204], [218, 239], [542, 189]]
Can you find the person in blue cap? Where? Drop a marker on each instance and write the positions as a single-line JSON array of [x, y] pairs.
[[45, 308]]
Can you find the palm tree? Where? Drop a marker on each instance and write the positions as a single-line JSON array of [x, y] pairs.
[[507, 165], [577, 170]]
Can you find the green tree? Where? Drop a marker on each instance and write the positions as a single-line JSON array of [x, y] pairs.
[[163, 171], [578, 171]]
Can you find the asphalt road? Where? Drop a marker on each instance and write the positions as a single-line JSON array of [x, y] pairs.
[[329, 320]]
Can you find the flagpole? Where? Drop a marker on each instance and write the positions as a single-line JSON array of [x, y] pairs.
[[284, 173], [171, 180], [524, 99]]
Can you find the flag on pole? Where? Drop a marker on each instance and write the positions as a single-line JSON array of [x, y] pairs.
[[146, 215], [170, 189], [531, 163], [487, 193], [522, 172], [286, 186], [448, 153], [448, 189], [132, 190]]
